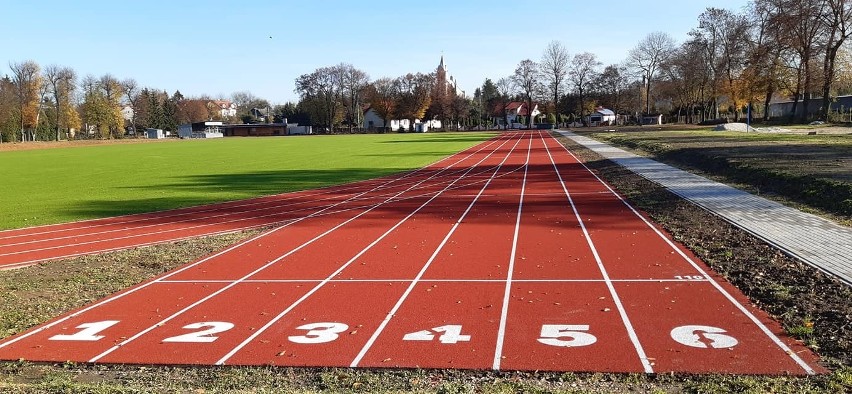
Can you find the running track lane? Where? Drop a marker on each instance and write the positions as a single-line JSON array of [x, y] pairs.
[[28, 246], [515, 257]]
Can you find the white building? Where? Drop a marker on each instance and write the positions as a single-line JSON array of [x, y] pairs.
[[200, 130], [602, 117], [373, 121], [225, 108]]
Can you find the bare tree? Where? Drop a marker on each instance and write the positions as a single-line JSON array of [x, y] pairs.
[[554, 67], [527, 78], [612, 82], [321, 92], [131, 93], [838, 20], [505, 88], [62, 82], [647, 57], [26, 77], [354, 81], [582, 71]]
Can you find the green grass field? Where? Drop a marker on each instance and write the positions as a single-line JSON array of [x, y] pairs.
[[65, 184]]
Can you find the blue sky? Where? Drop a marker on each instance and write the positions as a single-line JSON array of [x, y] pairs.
[[218, 47]]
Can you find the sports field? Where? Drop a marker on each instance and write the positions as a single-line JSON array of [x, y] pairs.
[[60, 185]]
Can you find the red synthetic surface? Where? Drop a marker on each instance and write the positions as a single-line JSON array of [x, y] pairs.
[[510, 255]]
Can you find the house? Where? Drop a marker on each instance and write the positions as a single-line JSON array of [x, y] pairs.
[[602, 117], [513, 111], [200, 130], [224, 108], [373, 121]]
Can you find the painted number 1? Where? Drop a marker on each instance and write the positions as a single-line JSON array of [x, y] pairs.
[[89, 332]]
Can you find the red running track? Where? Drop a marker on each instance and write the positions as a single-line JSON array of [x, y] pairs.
[[510, 256]]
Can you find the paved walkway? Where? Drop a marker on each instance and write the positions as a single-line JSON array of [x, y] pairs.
[[813, 240]]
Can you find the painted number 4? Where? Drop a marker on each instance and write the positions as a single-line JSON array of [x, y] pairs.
[[451, 334]]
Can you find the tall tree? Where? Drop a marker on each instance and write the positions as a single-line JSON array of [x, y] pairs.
[[322, 93], [554, 67], [505, 88], [413, 94], [647, 57], [381, 94], [527, 78], [582, 72], [27, 79], [612, 82], [353, 82], [131, 94], [802, 20], [838, 20]]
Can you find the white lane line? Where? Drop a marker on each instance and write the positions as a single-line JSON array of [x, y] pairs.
[[185, 268], [435, 280], [504, 312], [263, 267], [786, 349], [631, 332], [426, 266], [316, 288]]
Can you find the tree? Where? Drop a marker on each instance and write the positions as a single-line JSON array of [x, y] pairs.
[[353, 83], [554, 68], [582, 71], [67, 115], [612, 82], [838, 20], [8, 103], [321, 93], [801, 20], [505, 88], [27, 80], [131, 92], [647, 57], [527, 78], [381, 94], [413, 96]]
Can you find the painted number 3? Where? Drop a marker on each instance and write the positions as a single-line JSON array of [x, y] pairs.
[[319, 332]]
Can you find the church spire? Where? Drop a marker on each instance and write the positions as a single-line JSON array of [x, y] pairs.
[[442, 62]]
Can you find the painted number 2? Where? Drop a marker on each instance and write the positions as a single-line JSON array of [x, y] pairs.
[[566, 335], [203, 336], [319, 332]]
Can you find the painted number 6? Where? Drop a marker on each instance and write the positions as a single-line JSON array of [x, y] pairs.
[[319, 332], [566, 335]]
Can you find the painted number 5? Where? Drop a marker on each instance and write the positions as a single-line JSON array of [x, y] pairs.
[[566, 335], [319, 332]]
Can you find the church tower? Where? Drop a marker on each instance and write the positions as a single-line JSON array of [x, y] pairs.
[[441, 76]]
